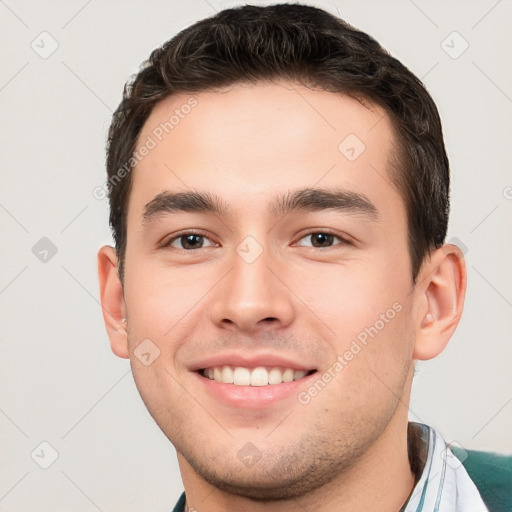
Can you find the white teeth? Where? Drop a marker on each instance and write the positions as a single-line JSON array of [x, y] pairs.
[[298, 374], [288, 375], [227, 375], [275, 376], [259, 376], [217, 374], [242, 376]]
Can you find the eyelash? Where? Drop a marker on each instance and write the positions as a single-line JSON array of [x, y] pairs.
[[167, 244]]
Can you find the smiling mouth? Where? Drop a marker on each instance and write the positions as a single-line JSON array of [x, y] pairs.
[[258, 376]]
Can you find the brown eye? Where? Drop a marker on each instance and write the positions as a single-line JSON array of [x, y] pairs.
[[190, 241], [320, 240]]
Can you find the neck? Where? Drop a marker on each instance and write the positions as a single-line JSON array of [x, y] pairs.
[[381, 480]]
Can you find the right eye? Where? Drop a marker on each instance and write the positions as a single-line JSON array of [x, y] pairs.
[[189, 241]]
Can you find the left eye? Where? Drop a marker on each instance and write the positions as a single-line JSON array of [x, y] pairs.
[[320, 240], [189, 241]]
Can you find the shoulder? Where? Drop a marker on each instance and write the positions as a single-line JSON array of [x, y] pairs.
[[492, 475]]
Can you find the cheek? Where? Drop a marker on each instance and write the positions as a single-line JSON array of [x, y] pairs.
[[368, 376], [367, 315], [161, 394], [160, 300], [352, 300]]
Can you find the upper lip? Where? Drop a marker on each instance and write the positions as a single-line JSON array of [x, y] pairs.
[[249, 361]]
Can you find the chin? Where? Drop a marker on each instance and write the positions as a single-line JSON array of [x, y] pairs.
[[284, 478], [265, 490]]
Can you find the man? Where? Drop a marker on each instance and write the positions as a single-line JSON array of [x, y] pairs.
[[279, 203]]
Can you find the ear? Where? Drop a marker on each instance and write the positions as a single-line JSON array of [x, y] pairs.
[[112, 301], [440, 292]]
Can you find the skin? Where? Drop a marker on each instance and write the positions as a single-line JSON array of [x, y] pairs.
[[347, 447]]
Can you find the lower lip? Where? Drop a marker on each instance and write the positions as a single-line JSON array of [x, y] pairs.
[[253, 397]]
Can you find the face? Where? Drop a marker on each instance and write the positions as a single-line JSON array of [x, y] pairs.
[[265, 242]]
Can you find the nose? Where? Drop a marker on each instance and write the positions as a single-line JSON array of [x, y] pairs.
[[253, 297]]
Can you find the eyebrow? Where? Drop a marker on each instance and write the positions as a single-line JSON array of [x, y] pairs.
[[305, 199], [319, 199]]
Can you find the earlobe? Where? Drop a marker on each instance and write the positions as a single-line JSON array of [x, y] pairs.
[[440, 294], [112, 301]]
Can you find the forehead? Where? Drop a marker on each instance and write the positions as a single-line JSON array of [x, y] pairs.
[[247, 141]]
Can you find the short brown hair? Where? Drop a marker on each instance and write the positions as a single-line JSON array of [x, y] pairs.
[[305, 45]]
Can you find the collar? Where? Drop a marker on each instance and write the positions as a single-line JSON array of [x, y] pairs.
[[442, 483]]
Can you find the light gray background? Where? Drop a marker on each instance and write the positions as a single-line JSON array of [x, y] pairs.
[[59, 381]]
